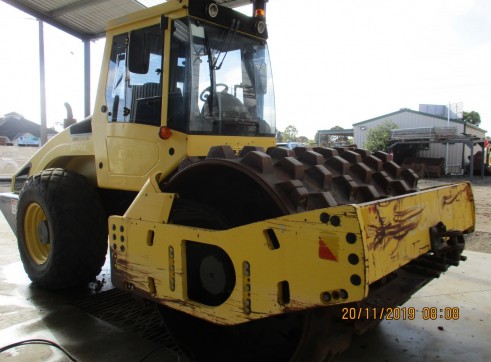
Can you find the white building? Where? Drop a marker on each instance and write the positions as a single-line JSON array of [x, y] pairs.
[[406, 118]]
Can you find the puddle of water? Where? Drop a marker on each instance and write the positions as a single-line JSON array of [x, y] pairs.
[[14, 273]]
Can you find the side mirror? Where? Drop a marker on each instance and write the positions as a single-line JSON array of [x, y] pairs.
[[139, 52]]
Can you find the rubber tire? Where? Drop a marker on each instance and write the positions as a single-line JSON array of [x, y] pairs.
[[76, 224]]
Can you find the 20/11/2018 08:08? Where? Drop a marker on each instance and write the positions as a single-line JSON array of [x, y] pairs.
[[400, 313]]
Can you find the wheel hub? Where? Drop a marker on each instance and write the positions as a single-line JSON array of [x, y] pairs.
[[210, 274], [43, 232], [36, 232], [213, 275]]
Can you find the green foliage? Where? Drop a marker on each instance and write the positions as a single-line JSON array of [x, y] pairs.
[[378, 137], [472, 117], [290, 133], [302, 139]]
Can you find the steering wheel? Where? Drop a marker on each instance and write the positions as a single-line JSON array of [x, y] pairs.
[[208, 90]]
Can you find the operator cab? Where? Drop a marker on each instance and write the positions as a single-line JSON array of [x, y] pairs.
[[226, 85], [219, 80]]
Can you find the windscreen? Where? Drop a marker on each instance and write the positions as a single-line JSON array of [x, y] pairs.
[[226, 80]]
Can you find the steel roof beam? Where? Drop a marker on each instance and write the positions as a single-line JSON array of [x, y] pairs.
[[81, 4]]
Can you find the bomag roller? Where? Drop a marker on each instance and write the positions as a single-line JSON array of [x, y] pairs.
[[251, 251]]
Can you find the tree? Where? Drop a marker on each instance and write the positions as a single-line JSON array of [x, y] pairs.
[[472, 117], [378, 137], [290, 133], [303, 139]]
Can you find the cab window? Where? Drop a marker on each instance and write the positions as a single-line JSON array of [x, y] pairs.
[[134, 83]]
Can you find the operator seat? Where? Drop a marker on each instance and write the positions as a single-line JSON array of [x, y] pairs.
[[230, 106], [147, 103]]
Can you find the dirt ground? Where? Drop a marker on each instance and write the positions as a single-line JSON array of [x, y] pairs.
[[480, 240]]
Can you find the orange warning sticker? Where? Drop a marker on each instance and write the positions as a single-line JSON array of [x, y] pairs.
[[325, 252]]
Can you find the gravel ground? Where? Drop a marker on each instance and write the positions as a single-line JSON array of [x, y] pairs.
[[480, 240]]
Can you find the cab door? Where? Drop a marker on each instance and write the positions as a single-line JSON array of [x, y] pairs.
[[132, 109]]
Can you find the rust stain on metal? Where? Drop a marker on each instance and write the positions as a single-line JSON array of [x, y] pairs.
[[470, 196], [450, 199], [372, 209], [402, 222]]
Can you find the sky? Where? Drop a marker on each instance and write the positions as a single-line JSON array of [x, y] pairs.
[[334, 63]]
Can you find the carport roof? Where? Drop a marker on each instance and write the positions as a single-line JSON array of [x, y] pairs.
[[87, 19]]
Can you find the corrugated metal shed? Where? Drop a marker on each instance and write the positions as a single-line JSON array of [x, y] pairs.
[[87, 19], [407, 118]]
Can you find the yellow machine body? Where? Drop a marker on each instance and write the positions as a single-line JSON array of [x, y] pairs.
[[123, 155], [326, 257], [307, 229]]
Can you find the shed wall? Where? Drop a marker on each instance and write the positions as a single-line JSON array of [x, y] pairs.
[[457, 153]]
